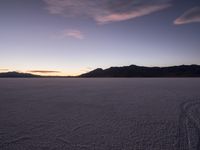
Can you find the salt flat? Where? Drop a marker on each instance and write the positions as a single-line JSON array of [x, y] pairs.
[[100, 114]]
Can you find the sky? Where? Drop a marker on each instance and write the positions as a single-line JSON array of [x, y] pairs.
[[71, 37]]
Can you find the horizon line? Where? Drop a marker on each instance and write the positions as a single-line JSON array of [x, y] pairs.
[[49, 75]]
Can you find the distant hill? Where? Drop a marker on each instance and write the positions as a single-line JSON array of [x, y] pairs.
[[125, 71], [17, 75], [141, 71]]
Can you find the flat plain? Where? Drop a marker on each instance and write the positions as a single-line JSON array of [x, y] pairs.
[[100, 114]]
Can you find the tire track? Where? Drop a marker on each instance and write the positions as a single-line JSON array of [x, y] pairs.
[[189, 126]]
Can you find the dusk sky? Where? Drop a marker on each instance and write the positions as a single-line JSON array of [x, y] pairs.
[[70, 37]]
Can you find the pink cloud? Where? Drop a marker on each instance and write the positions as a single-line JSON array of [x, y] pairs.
[[190, 16], [73, 33], [140, 11], [68, 33], [105, 11]]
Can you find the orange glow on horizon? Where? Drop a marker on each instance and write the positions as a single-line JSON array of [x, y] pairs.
[[46, 72], [55, 74]]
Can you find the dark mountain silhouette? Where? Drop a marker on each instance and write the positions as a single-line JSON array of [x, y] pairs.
[[17, 75], [141, 71], [27, 75], [125, 71]]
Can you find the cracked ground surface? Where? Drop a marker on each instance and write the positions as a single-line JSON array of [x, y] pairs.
[[100, 114]]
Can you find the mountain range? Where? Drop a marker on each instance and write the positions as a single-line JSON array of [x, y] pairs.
[[141, 71], [17, 75], [125, 71]]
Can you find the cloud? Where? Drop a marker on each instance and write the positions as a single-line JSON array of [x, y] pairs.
[[105, 11], [190, 16], [73, 33], [140, 11], [43, 71]]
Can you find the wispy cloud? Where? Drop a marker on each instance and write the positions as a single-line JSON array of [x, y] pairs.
[[73, 33], [69, 33], [43, 71], [105, 11], [140, 11], [190, 16]]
